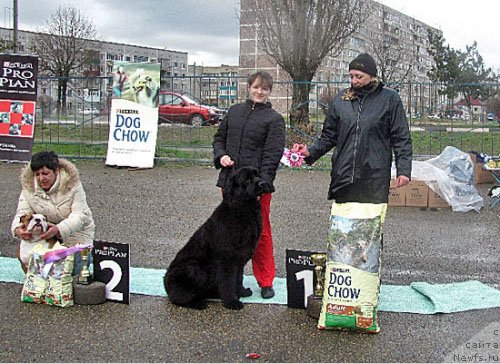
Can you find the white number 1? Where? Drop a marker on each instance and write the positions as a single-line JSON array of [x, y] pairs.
[[307, 277]]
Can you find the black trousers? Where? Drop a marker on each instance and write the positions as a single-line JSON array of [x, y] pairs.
[[373, 190]]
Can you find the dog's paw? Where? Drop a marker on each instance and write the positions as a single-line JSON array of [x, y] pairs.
[[244, 292], [233, 305]]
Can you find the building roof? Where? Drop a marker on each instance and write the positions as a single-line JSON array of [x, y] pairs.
[[473, 102]]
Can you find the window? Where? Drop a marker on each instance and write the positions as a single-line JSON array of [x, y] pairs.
[[140, 58], [170, 99]]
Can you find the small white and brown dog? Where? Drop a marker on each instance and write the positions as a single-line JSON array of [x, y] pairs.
[[37, 225]]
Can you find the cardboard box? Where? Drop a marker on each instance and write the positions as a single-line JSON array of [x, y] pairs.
[[397, 196], [417, 194], [436, 201], [480, 175]]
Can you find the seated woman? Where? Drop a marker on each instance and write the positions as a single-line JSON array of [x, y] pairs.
[[52, 187]]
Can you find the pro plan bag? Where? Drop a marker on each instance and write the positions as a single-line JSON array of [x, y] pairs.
[[48, 279], [352, 274]]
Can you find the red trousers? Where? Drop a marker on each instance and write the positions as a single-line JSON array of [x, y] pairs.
[[263, 265]]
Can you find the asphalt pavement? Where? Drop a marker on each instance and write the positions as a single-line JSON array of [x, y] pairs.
[[157, 210]]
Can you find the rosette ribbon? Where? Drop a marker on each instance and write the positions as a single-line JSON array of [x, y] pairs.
[[292, 159]]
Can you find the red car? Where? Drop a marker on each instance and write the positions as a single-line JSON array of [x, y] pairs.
[[177, 108]]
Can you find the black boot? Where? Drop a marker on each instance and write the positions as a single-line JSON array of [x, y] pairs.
[[267, 292]]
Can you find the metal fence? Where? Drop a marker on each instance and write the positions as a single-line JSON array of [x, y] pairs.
[[80, 130]]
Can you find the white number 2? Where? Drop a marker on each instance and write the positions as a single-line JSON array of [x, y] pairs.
[[115, 279], [307, 277]]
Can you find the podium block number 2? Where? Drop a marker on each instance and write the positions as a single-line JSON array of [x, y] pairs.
[[115, 279]]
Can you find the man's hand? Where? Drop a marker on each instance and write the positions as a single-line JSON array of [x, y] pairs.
[[302, 148], [402, 181]]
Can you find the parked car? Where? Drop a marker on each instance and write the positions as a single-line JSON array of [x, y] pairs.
[[178, 108], [490, 116]]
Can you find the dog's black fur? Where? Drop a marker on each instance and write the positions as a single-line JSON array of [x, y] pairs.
[[211, 264]]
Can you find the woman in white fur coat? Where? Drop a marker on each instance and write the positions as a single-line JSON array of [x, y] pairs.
[[51, 186]]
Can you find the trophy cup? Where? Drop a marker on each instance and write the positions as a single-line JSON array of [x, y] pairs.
[[84, 277], [319, 260], [315, 300], [87, 291]]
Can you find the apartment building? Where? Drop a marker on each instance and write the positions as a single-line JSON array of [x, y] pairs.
[[215, 85], [88, 89], [385, 28]]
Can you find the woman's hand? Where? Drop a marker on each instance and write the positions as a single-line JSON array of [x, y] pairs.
[[23, 234], [226, 161], [302, 148], [52, 231]]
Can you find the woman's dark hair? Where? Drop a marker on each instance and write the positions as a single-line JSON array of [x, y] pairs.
[[265, 79], [44, 159]]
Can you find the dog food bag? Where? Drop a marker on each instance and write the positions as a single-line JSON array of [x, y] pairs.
[[352, 272], [49, 283]]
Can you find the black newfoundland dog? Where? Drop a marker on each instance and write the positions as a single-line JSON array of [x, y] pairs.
[[211, 264]]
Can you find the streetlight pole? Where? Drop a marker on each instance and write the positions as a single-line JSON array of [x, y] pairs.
[[14, 33]]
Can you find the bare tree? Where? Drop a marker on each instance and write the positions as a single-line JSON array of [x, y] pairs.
[[64, 47], [299, 34], [395, 61]]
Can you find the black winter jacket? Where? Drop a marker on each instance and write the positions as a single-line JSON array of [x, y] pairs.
[[366, 130], [252, 134]]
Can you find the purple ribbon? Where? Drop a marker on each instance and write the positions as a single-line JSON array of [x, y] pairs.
[[58, 254]]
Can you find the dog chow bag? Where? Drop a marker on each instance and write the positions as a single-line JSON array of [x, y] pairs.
[[352, 273], [49, 283]]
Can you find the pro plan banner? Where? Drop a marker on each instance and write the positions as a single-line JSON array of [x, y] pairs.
[[18, 91], [133, 124]]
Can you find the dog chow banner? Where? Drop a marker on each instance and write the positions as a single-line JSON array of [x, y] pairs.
[[133, 124], [18, 92]]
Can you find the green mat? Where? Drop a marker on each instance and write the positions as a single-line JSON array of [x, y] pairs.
[[418, 297]]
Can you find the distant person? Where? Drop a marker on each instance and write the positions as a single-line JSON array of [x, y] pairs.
[[253, 134], [51, 186], [366, 123]]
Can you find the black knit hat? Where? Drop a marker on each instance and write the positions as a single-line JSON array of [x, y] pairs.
[[365, 63]]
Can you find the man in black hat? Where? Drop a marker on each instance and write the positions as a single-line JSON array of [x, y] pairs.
[[367, 124]]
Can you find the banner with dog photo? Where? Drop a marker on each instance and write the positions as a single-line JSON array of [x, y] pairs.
[[18, 93], [133, 123]]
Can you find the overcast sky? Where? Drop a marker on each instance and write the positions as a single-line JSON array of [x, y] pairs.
[[209, 29]]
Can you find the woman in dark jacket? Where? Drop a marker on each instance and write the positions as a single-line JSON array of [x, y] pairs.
[[253, 134], [367, 124]]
